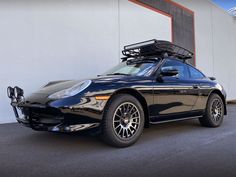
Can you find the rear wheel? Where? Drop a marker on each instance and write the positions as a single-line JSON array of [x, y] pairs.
[[123, 121], [214, 112]]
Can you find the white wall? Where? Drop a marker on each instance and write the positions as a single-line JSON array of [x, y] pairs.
[[224, 48], [48, 40], [215, 32], [137, 23]]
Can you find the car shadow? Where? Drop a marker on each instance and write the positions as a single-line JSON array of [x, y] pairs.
[[85, 141]]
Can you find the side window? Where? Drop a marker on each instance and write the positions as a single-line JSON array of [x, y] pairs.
[[180, 66], [195, 74]]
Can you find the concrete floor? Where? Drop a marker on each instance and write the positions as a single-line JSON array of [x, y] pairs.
[[183, 149]]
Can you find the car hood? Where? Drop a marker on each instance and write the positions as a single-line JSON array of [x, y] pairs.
[[56, 86]]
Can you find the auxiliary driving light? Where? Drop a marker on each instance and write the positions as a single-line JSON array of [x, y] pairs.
[[18, 92], [10, 92]]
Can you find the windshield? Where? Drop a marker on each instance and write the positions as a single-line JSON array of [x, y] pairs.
[[133, 67]]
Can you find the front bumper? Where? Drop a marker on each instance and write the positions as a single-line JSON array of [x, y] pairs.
[[42, 118]]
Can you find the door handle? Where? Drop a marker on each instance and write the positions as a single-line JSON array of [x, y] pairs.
[[196, 86]]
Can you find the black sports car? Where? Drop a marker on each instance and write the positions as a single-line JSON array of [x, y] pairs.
[[153, 84]]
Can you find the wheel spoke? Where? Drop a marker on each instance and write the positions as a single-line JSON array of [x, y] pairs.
[[119, 116], [123, 133], [134, 118], [118, 126], [134, 127], [127, 108], [134, 113], [120, 131], [130, 111], [128, 130]]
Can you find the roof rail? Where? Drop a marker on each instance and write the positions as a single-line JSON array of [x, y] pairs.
[[156, 48]]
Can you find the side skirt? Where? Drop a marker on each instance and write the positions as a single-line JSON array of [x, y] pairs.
[[175, 120]]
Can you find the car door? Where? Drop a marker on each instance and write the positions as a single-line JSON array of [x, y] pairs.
[[204, 89], [174, 95]]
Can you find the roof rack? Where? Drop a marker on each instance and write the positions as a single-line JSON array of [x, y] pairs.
[[156, 48]]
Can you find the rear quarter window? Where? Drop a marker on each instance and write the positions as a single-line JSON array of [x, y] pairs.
[[195, 74]]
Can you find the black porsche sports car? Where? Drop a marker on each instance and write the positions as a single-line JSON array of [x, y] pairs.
[[153, 84]]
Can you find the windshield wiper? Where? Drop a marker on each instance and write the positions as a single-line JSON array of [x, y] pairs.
[[118, 74]]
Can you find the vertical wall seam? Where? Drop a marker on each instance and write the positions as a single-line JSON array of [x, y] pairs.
[[119, 29], [212, 37]]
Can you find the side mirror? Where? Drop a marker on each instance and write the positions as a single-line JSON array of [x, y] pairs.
[[169, 72], [212, 78]]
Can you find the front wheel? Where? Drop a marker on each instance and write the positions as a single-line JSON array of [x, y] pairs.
[[214, 112], [123, 121]]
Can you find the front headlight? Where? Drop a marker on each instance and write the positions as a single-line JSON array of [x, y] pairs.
[[71, 91]]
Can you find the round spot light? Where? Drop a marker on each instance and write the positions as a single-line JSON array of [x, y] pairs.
[[10, 92], [18, 92], [15, 92]]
